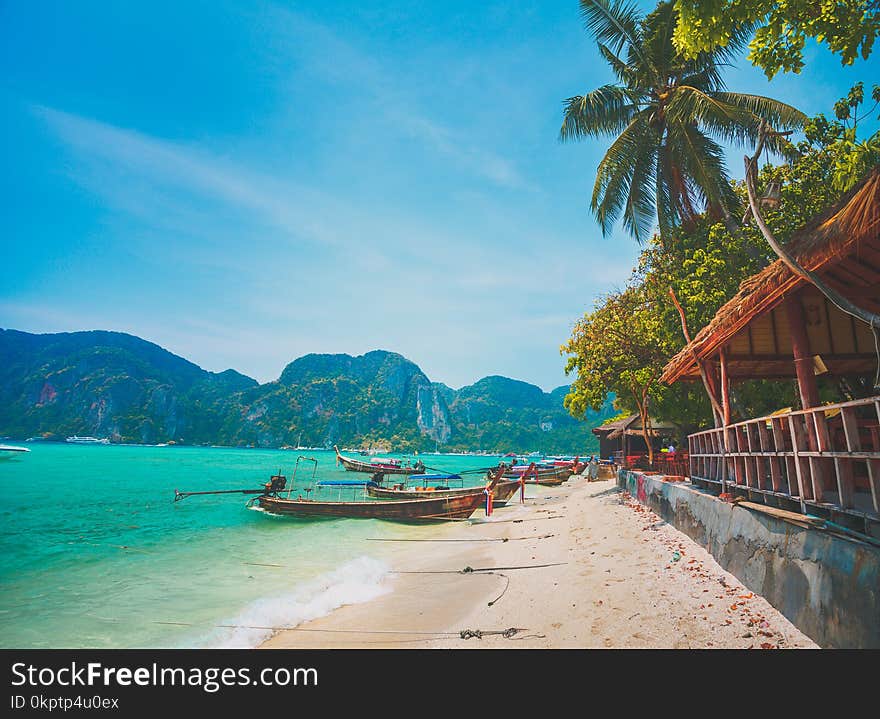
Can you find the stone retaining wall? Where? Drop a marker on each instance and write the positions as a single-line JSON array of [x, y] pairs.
[[827, 586]]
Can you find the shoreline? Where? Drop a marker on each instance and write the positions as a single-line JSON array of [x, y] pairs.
[[577, 566]]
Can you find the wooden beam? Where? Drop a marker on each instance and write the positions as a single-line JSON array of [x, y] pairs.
[[803, 357], [840, 356], [775, 336], [725, 388], [855, 292], [828, 325]]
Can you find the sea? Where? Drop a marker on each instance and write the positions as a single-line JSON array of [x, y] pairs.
[[95, 552]]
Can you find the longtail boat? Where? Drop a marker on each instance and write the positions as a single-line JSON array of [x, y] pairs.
[[545, 476], [459, 507], [500, 495], [549, 475], [448, 507], [501, 490], [356, 465]]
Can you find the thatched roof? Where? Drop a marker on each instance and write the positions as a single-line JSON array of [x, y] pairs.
[[842, 245], [617, 424], [632, 426]]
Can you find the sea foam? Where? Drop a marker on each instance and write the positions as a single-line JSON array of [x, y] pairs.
[[359, 580]]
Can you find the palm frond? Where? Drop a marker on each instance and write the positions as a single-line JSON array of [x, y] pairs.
[[622, 70], [706, 78], [614, 23], [605, 110], [740, 35], [615, 172], [667, 212], [640, 208], [730, 122], [702, 161], [657, 32], [778, 114]]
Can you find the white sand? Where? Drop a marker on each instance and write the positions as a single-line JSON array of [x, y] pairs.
[[616, 585]]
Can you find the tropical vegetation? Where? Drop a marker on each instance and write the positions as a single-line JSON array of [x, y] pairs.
[[780, 29], [700, 258], [668, 114]]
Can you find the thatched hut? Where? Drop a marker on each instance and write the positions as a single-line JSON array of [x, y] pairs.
[[626, 437], [779, 326]]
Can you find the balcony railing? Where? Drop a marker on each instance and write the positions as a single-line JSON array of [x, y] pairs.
[[825, 458]]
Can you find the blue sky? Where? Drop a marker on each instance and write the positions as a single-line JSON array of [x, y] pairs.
[[244, 183]]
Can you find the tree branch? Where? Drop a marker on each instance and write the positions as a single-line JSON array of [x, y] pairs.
[[837, 299], [717, 412], [871, 319]]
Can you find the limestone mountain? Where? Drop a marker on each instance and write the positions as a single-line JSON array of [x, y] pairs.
[[114, 384], [107, 384], [511, 415], [322, 399]]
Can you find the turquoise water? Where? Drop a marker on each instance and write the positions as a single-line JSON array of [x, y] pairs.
[[94, 552]]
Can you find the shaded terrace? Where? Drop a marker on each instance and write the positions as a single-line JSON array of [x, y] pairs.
[[819, 458]]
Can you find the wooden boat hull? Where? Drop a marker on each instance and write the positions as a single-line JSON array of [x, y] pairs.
[[546, 476], [547, 481], [458, 507], [356, 465], [500, 494]]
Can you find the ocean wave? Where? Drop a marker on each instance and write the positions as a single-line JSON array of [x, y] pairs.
[[357, 581]]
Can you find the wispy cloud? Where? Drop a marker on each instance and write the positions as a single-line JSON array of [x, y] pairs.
[[341, 62], [285, 205]]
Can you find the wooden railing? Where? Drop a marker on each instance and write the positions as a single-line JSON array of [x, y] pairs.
[[825, 457], [675, 463]]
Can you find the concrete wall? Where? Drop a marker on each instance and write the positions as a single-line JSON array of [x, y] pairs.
[[827, 586]]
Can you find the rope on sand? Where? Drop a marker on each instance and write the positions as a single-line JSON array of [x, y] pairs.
[[502, 593], [471, 570], [480, 539], [462, 634], [515, 521]]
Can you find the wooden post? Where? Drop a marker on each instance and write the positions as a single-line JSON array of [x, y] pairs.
[[808, 388], [803, 358], [725, 387], [727, 464]]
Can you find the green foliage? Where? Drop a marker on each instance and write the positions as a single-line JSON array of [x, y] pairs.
[[667, 113], [616, 349], [780, 29], [622, 343]]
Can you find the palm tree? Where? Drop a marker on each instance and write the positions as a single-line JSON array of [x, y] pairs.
[[668, 114]]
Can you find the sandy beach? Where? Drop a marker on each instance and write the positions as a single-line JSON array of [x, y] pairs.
[[577, 566]]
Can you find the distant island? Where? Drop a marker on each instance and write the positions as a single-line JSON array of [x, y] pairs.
[[116, 385]]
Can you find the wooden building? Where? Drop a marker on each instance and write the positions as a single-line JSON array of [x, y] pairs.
[[624, 437], [826, 459]]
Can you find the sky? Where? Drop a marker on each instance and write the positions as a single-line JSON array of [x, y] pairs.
[[246, 183]]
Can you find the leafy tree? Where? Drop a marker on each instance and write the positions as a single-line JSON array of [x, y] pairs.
[[847, 27], [618, 349], [666, 113], [854, 158]]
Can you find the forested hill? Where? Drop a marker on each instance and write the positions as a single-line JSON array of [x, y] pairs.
[[111, 384]]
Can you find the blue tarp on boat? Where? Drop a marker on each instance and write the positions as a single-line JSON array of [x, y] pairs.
[[344, 483]]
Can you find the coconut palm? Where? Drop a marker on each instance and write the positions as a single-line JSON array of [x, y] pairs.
[[668, 115]]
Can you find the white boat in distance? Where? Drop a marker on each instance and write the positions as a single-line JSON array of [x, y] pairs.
[[87, 440], [9, 449]]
